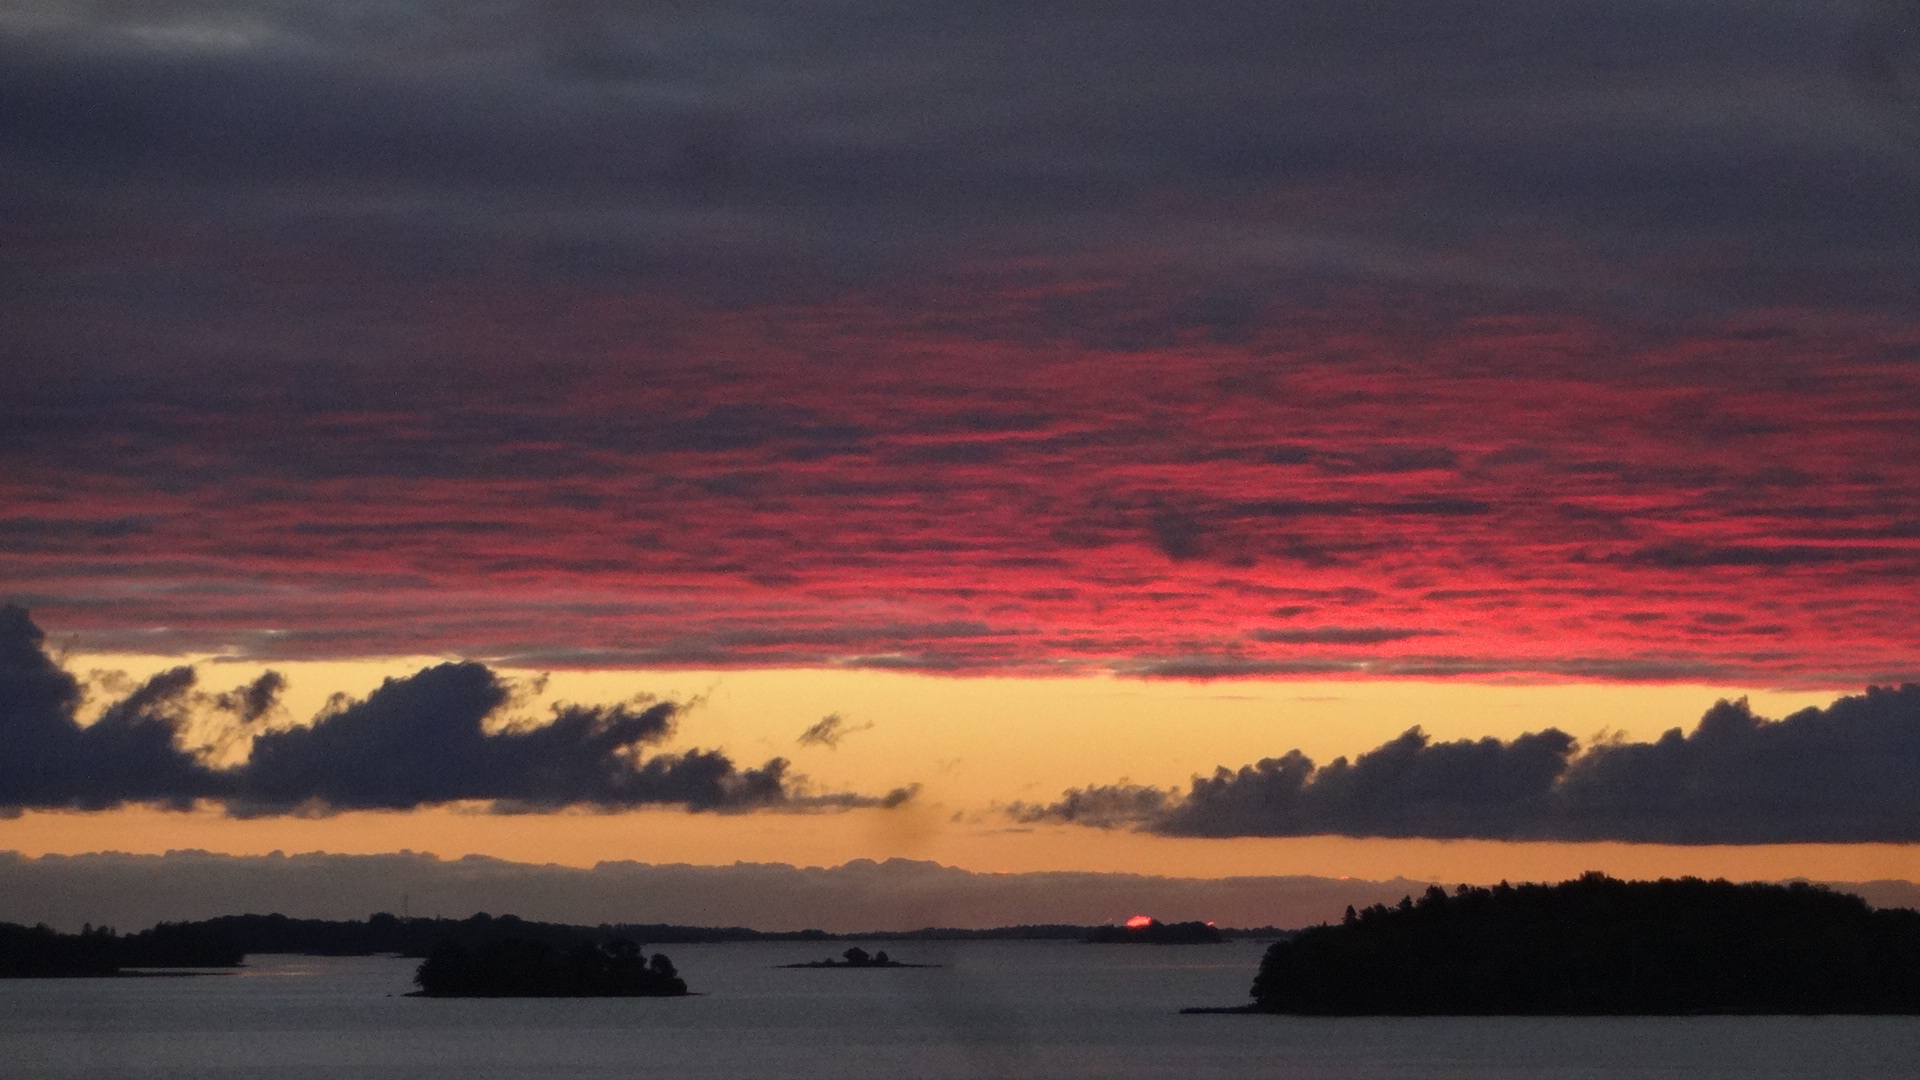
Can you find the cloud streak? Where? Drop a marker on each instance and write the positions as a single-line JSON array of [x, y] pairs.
[[829, 730], [140, 890], [444, 734], [1849, 773]]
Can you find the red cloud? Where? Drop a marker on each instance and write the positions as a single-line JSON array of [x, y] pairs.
[[1037, 479]]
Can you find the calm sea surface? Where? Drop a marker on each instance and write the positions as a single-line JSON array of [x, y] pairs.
[[997, 1009]]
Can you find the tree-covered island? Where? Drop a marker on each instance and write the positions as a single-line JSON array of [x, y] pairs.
[[858, 957], [524, 967], [1600, 946]]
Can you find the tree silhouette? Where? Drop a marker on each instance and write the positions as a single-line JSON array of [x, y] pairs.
[[41, 952], [1597, 945], [521, 967]]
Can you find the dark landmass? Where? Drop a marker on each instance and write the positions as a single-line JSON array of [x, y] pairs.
[[1157, 933], [1052, 932], [386, 933], [1599, 946], [522, 967], [857, 957], [1256, 933], [1024, 932], [38, 952]]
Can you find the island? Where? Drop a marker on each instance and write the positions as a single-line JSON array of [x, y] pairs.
[[40, 952], [1597, 946], [524, 967], [1142, 930], [857, 957]]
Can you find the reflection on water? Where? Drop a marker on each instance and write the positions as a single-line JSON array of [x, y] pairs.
[[996, 1009]]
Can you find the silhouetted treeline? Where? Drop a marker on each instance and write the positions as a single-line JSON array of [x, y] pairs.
[[1062, 932], [1597, 945], [40, 952], [1023, 932], [1157, 933], [180, 944], [523, 967], [386, 933]]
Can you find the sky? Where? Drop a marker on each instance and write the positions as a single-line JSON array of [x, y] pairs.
[[802, 432], [899, 894]]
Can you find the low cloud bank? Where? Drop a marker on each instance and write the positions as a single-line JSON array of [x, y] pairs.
[[130, 891], [1848, 773], [133, 891], [433, 737]]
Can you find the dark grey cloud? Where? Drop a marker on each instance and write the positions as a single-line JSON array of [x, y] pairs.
[[1294, 508], [1179, 535], [1341, 635], [128, 755], [423, 739], [1185, 527], [488, 438], [1227, 664], [607, 263], [1714, 148], [1849, 773], [829, 730], [773, 644], [441, 735], [1700, 556]]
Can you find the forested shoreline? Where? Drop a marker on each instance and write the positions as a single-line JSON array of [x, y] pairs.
[[224, 941], [1599, 946], [39, 952]]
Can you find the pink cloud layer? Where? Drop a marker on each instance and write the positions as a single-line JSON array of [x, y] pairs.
[[1038, 479]]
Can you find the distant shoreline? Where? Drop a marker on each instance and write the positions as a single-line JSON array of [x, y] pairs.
[[831, 965], [384, 933], [120, 975], [39, 952]]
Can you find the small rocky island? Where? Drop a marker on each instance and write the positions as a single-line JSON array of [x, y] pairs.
[[519, 967], [857, 957], [1141, 930], [1597, 946]]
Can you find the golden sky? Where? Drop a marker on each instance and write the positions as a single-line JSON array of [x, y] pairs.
[[975, 745]]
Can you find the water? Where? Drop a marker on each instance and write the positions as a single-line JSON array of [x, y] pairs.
[[998, 1009]]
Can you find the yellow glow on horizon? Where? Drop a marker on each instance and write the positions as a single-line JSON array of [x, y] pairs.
[[975, 745], [672, 836]]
